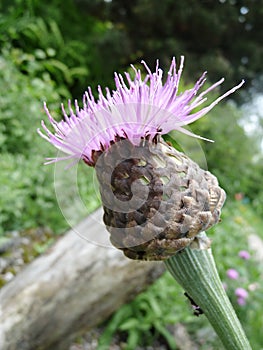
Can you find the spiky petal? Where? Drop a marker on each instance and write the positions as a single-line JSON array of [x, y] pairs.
[[138, 108]]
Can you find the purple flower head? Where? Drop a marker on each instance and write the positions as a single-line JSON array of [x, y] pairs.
[[243, 254], [241, 293], [232, 274], [138, 108], [241, 301]]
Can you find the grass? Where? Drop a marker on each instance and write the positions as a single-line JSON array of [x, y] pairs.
[[148, 317]]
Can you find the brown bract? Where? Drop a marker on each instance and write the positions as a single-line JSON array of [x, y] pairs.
[[156, 199]]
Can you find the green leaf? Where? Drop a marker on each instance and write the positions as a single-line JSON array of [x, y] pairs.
[[131, 323], [166, 334]]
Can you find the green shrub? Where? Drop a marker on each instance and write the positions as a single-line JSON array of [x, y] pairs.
[[28, 197], [43, 39], [21, 100]]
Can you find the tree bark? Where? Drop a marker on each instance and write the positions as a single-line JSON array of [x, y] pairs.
[[73, 287]]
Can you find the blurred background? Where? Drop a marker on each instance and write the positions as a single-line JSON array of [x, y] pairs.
[[52, 51]]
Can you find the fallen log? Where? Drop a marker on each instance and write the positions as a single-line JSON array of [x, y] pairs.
[[73, 287]]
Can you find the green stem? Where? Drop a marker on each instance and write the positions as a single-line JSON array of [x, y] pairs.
[[195, 270]]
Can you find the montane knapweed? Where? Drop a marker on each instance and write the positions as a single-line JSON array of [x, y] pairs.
[[155, 199]]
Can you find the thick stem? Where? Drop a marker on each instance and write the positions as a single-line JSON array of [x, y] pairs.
[[195, 270]]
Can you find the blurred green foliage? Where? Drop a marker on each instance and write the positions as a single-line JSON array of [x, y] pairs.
[[233, 157], [146, 318], [21, 99], [46, 39]]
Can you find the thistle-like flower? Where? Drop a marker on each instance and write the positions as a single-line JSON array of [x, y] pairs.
[[155, 199]]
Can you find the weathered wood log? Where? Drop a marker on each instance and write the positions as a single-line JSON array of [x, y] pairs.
[[74, 286]]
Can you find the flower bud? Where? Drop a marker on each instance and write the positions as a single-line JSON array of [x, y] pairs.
[[155, 199]]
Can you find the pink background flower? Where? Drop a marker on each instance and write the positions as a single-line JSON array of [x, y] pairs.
[[241, 293], [243, 254], [232, 274]]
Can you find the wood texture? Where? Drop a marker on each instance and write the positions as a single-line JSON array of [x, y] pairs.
[[74, 286]]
